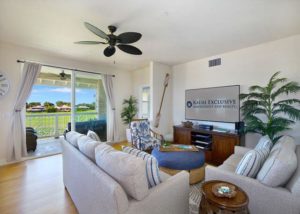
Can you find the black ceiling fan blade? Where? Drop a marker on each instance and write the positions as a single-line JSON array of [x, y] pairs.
[[129, 37], [96, 31], [89, 42], [109, 51], [130, 49]]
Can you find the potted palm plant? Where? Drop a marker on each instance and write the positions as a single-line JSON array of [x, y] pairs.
[[128, 112], [266, 111]]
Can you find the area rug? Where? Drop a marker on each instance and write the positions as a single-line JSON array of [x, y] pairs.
[[195, 198]]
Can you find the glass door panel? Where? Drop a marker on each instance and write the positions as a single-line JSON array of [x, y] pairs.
[[89, 104]]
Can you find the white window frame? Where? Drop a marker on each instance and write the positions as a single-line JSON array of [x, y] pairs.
[[141, 101]]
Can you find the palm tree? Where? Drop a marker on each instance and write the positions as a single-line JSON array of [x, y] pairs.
[[129, 109], [265, 113]]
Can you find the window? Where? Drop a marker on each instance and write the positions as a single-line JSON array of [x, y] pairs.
[[145, 102]]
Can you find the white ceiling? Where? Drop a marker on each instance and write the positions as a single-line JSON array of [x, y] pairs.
[[174, 31]]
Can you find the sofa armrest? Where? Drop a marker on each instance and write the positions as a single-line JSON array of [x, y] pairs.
[[240, 150], [262, 199], [169, 197], [92, 190]]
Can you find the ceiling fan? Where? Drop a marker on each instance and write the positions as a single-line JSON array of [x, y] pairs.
[[63, 75], [121, 41]]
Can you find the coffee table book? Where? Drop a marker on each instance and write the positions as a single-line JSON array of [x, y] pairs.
[[178, 148]]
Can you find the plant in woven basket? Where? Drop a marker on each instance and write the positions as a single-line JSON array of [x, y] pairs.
[[129, 110], [266, 112]]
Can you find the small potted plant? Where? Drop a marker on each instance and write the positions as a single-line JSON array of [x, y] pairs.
[[128, 112]]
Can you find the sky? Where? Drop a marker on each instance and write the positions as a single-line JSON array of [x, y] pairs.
[[42, 93]]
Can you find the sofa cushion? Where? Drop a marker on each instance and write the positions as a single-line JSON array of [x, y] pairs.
[[251, 163], [264, 143], [227, 168], [163, 176], [72, 138], [152, 170], [285, 141], [126, 169], [279, 166], [233, 160], [294, 183], [93, 135], [87, 146]]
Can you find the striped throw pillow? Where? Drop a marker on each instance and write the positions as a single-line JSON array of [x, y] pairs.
[[93, 135], [152, 171], [264, 143], [251, 163]]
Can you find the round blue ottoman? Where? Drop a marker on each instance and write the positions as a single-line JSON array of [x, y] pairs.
[[173, 162]]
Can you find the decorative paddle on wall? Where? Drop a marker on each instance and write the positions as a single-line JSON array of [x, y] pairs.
[[157, 119], [112, 40]]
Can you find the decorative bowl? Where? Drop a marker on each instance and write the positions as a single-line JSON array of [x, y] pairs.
[[187, 124], [224, 190]]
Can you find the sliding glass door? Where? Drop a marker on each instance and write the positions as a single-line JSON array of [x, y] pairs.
[[65, 99], [89, 104]]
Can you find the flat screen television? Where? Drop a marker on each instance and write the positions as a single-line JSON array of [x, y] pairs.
[[218, 104]]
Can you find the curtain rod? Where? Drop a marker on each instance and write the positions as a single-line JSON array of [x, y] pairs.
[[54, 66]]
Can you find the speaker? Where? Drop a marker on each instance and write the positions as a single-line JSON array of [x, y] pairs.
[[239, 126]]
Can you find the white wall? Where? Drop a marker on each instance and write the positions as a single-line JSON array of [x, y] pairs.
[[246, 67], [10, 53], [140, 78], [154, 76], [158, 72]]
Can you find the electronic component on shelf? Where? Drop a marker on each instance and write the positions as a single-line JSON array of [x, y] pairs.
[[206, 127], [201, 140]]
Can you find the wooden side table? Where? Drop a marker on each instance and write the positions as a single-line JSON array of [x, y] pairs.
[[211, 204]]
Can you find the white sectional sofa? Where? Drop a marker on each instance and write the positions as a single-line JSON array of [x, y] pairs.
[[263, 199], [94, 191]]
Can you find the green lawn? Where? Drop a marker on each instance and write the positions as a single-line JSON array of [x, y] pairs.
[[44, 123]]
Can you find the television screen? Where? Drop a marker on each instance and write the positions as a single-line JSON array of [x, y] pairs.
[[221, 104]]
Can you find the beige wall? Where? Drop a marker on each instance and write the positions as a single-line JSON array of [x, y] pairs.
[[154, 76], [8, 56], [158, 72], [249, 66]]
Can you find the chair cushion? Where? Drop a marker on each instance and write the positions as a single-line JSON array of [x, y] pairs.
[[72, 138], [251, 163], [93, 135], [126, 169], [279, 166], [149, 142], [142, 127], [264, 143], [87, 146], [152, 170]]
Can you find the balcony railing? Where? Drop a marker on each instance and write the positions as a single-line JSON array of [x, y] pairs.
[[54, 124]]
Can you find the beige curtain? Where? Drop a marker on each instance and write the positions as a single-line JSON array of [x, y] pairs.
[[17, 137], [112, 132]]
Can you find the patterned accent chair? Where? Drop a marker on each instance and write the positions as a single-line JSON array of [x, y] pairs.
[[143, 137]]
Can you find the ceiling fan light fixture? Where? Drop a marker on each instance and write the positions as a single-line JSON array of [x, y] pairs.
[[121, 41], [62, 75]]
